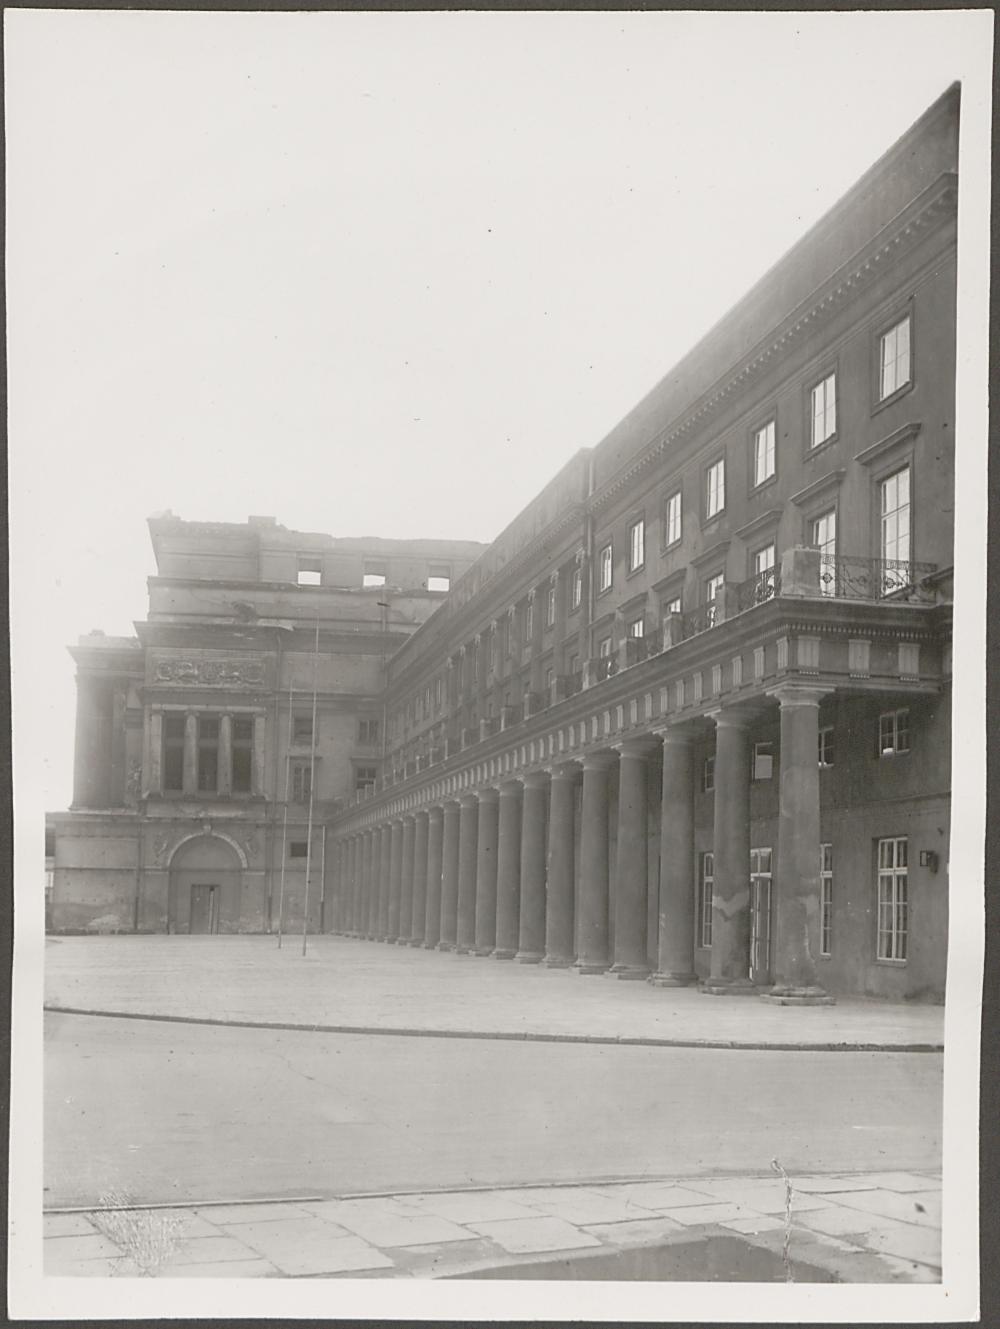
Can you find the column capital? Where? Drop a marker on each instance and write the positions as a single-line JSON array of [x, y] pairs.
[[488, 794], [512, 785], [468, 800], [602, 760], [535, 779], [564, 770], [731, 717], [799, 694], [435, 812], [677, 735], [642, 747]]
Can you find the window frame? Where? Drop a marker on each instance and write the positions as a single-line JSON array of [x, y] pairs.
[[636, 564], [575, 588], [762, 757], [769, 423], [708, 774], [895, 728], [706, 488], [606, 549], [305, 571], [813, 445], [670, 541], [823, 748], [826, 900], [901, 313], [894, 875], [706, 898], [880, 481]]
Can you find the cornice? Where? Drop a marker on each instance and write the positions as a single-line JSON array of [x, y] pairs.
[[760, 523], [894, 440], [832, 480], [904, 232], [711, 554]]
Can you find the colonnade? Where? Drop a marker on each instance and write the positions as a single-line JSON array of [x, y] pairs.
[[501, 871]]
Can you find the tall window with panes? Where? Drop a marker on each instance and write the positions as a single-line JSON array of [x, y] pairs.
[[604, 569], [636, 544], [576, 588], [715, 488], [550, 604], [713, 590], [706, 889], [763, 453], [823, 411], [893, 902], [894, 529], [672, 519], [823, 536], [894, 359], [826, 899]]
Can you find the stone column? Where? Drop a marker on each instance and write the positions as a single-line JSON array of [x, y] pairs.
[[190, 753], [406, 883], [592, 923], [374, 877], [91, 762], [534, 815], [259, 754], [384, 880], [486, 872], [559, 949], [508, 870], [154, 757], [796, 906], [369, 895], [632, 868], [449, 878], [350, 895], [357, 927], [419, 910], [225, 754], [730, 973], [468, 841], [558, 580], [675, 943], [395, 880], [435, 859], [537, 630]]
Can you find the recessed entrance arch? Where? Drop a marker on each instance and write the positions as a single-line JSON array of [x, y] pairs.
[[205, 886]]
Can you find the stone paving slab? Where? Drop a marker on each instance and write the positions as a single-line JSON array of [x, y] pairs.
[[858, 1233], [358, 986]]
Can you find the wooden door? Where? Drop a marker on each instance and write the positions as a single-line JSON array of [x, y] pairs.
[[204, 909]]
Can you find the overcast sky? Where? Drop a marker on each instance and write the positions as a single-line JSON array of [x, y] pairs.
[[382, 274]]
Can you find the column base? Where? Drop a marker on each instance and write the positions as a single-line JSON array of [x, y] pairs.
[[557, 962], [465, 950], [446, 945], [528, 957], [787, 994], [391, 941], [729, 987], [666, 979], [403, 941], [628, 972], [483, 951], [415, 941], [429, 945], [501, 954], [587, 967]]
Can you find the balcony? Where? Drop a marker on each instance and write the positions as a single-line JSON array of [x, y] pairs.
[[757, 590], [849, 578]]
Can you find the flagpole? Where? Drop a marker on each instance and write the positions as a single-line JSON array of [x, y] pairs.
[[312, 794], [284, 822]]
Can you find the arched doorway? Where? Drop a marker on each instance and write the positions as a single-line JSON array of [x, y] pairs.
[[205, 884]]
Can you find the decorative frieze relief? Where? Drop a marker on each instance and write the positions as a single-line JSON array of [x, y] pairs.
[[210, 673]]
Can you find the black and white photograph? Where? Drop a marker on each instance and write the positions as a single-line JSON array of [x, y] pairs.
[[497, 584]]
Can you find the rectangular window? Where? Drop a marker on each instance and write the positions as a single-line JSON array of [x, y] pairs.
[[604, 569], [576, 589], [365, 778], [173, 753], [893, 921], [310, 572], [763, 761], [637, 544], [826, 899], [550, 605], [438, 583], [713, 589], [823, 415], [301, 781], [242, 735], [302, 729], [826, 746], [715, 488], [706, 890], [529, 621], [672, 519], [298, 849], [760, 913], [637, 628], [438, 692], [368, 731], [374, 574], [763, 560], [208, 753], [672, 606], [893, 733], [894, 359], [894, 519], [708, 775], [604, 647], [763, 453], [574, 664], [823, 536]]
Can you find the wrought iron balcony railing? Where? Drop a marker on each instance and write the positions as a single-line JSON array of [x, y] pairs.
[[850, 578], [758, 589], [700, 619]]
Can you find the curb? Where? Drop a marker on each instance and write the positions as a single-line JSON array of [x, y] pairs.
[[624, 1040]]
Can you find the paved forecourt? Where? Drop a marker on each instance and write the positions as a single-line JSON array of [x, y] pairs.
[[350, 985]]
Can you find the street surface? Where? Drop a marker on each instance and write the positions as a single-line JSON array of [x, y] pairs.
[[187, 1113]]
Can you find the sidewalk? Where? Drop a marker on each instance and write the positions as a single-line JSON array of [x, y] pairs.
[[349, 985], [876, 1228]]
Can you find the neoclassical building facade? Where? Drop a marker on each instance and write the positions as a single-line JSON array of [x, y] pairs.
[[687, 719]]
